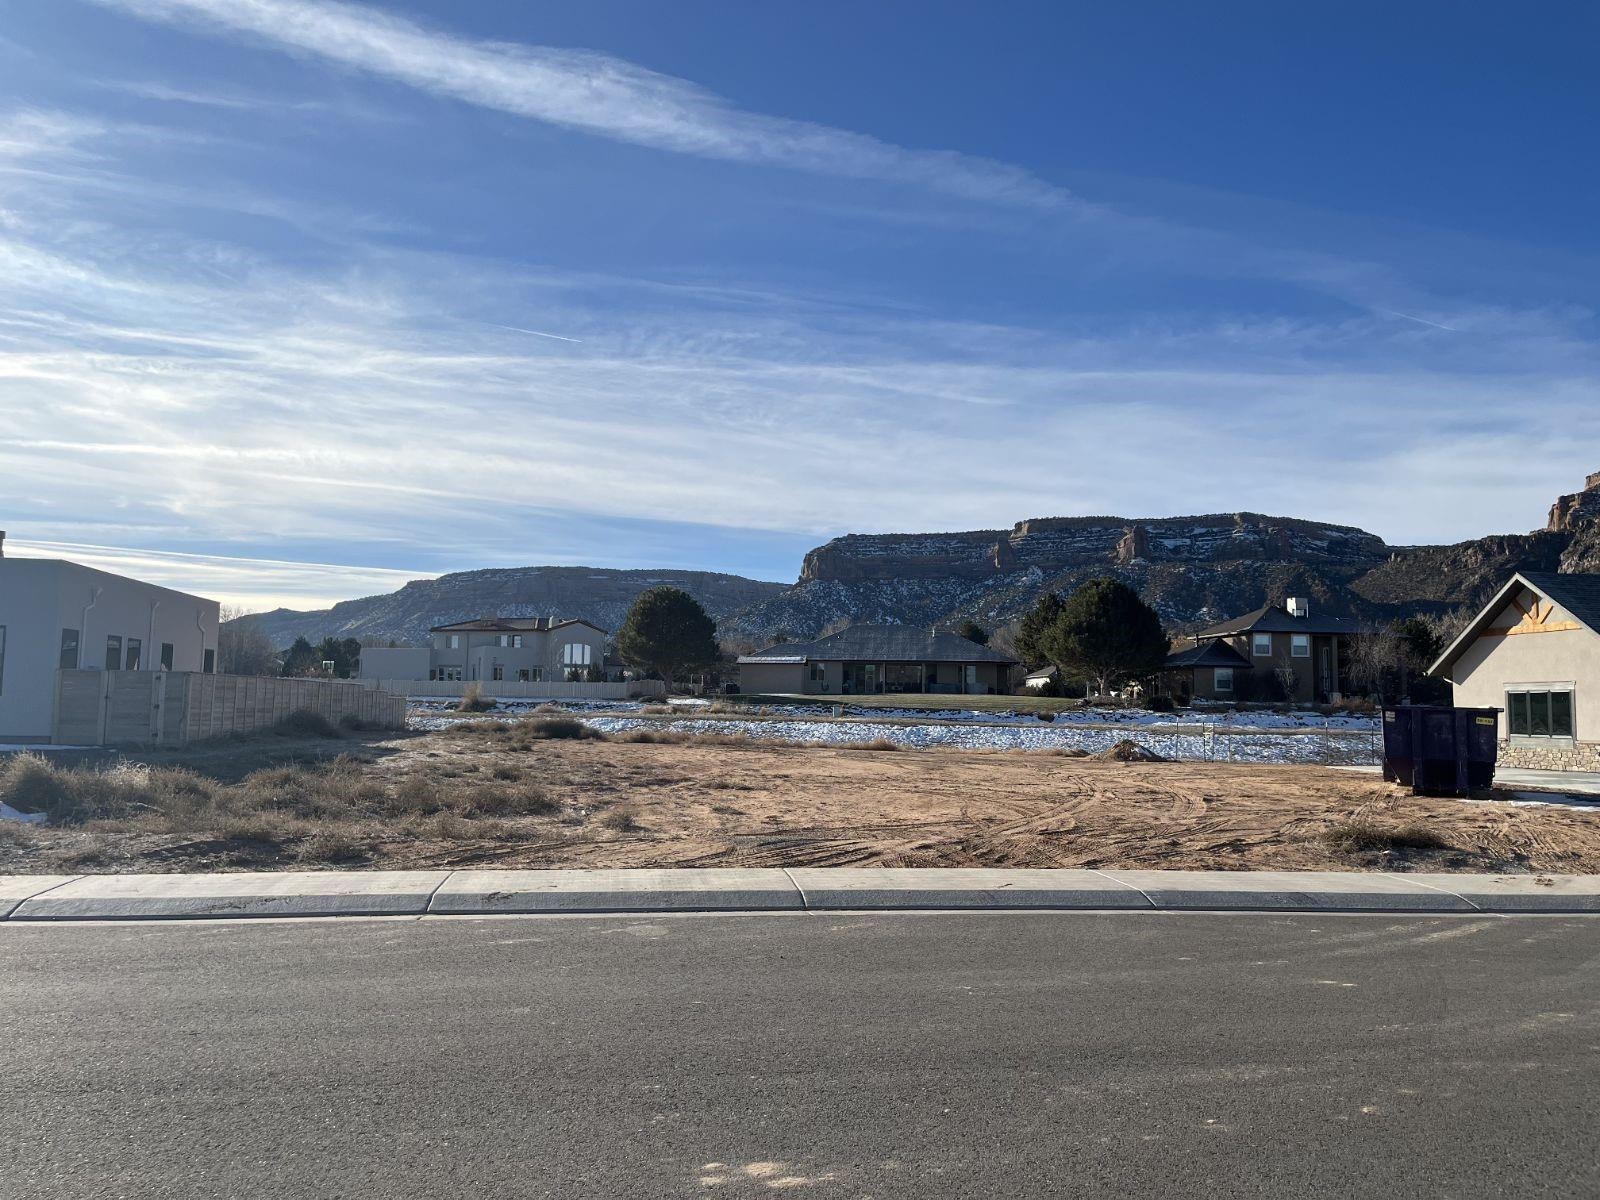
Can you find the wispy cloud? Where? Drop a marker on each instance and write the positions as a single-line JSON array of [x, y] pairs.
[[595, 93]]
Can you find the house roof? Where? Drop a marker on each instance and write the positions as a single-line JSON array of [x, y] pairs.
[[513, 625], [1042, 673], [882, 643], [1274, 618], [1577, 595], [1206, 654]]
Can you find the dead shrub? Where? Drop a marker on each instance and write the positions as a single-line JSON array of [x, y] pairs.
[[506, 771], [332, 846], [622, 818], [413, 795], [480, 728], [473, 700], [1356, 836], [303, 722], [881, 743], [551, 729], [524, 801]]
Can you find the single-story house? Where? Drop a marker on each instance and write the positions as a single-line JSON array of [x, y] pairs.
[[1306, 657], [869, 659], [57, 616], [1533, 652], [509, 649], [1043, 677]]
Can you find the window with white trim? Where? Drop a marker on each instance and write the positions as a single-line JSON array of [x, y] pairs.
[[453, 641], [1540, 713], [499, 672], [576, 654], [1261, 645], [1222, 680], [1300, 645]]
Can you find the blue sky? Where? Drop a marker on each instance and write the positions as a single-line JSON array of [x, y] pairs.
[[299, 300]]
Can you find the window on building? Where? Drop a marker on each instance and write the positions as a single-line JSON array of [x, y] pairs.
[[134, 653], [818, 672], [1224, 679], [522, 675], [1540, 714], [576, 654], [498, 672], [1300, 645], [113, 652], [210, 664], [536, 675], [516, 641], [1261, 645], [69, 649], [454, 641], [166, 656]]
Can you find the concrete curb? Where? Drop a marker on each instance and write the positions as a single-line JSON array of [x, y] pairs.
[[45, 898]]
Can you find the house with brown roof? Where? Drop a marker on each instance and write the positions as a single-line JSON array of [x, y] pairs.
[[1281, 651], [1533, 652]]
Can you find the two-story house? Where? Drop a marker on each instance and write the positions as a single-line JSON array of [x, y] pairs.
[[1279, 652], [495, 649]]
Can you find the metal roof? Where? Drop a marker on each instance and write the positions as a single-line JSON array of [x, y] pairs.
[[883, 643], [1273, 618], [1577, 595]]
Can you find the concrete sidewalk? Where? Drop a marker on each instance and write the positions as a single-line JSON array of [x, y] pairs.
[[799, 889]]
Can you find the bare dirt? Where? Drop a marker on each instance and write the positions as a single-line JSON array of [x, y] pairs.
[[629, 804]]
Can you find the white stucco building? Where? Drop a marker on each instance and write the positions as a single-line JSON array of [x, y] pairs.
[[58, 615], [495, 650]]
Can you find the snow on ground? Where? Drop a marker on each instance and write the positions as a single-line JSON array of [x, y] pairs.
[[1264, 747], [1123, 717]]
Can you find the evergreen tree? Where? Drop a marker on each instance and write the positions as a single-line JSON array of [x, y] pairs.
[[974, 632], [667, 634], [301, 659], [1029, 640], [1105, 633]]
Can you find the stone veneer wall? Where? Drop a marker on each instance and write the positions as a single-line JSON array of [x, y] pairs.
[[1580, 756]]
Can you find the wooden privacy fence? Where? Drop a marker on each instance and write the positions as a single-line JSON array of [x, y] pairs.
[[172, 708], [507, 689]]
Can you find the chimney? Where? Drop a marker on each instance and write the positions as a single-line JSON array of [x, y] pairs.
[[1297, 606], [2, 543]]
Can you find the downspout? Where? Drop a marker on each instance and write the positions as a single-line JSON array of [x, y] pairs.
[[83, 621], [199, 623], [150, 646]]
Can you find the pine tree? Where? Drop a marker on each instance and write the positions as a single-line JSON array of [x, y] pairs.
[[1105, 633], [667, 634]]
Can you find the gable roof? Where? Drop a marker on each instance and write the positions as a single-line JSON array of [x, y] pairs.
[[1578, 595], [882, 643], [513, 625], [1274, 618], [1206, 654]]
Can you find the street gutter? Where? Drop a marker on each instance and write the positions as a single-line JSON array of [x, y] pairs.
[[55, 898]]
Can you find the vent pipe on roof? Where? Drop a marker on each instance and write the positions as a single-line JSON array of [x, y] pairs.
[[1298, 606]]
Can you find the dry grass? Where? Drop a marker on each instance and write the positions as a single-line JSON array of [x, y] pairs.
[[532, 793]]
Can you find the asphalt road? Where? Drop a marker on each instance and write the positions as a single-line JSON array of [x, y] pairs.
[[894, 1055]]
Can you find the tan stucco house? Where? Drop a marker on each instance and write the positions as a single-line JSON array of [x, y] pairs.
[[870, 659], [1307, 656], [1534, 653], [58, 616], [495, 650]]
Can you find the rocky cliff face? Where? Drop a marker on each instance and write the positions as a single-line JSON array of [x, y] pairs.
[[1569, 512], [594, 594], [1192, 570]]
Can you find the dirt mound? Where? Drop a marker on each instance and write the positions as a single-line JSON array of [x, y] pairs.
[[1128, 750]]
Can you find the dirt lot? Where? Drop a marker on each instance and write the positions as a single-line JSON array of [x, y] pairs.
[[523, 795]]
